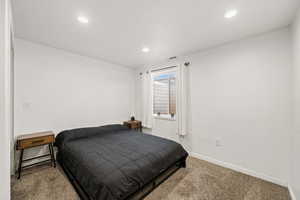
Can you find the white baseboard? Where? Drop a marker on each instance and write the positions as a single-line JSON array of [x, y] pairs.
[[239, 169], [292, 194]]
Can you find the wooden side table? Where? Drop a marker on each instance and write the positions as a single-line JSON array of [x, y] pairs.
[[135, 124], [34, 140]]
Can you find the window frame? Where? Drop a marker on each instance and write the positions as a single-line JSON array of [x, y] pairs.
[[159, 71]]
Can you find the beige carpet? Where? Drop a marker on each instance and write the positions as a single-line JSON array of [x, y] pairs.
[[199, 181]]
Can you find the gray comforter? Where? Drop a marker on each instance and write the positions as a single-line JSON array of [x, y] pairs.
[[112, 162]]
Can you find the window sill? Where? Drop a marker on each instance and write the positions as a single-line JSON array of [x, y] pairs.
[[164, 118]]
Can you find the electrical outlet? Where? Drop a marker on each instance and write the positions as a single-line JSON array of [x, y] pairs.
[[218, 142], [26, 105]]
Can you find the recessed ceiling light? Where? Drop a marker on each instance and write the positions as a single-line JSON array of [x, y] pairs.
[[230, 13], [83, 19], [145, 49]]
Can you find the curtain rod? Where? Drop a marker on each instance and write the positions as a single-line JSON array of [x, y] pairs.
[[159, 69], [155, 70]]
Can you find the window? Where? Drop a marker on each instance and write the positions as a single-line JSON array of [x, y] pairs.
[[164, 93]]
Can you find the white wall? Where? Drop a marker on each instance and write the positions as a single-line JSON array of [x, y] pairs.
[[5, 98], [295, 157], [241, 94], [57, 90], [165, 128]]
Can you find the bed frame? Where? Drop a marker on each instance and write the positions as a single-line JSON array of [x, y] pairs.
[[141, 193]]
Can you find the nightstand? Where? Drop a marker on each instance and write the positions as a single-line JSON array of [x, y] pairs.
[[34, 140], [135, 124]]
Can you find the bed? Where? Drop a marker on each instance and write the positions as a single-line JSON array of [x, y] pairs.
[[113, 162]]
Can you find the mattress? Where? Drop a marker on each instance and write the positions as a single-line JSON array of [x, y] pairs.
[[113, 162]]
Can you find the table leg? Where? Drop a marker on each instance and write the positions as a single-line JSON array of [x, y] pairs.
[[20, 163], [52, 155], [50, 152]]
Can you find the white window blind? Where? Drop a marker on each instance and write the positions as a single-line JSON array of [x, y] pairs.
[[164, 93]]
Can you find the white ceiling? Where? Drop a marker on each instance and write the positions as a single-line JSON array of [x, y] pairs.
[[119, 29]]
